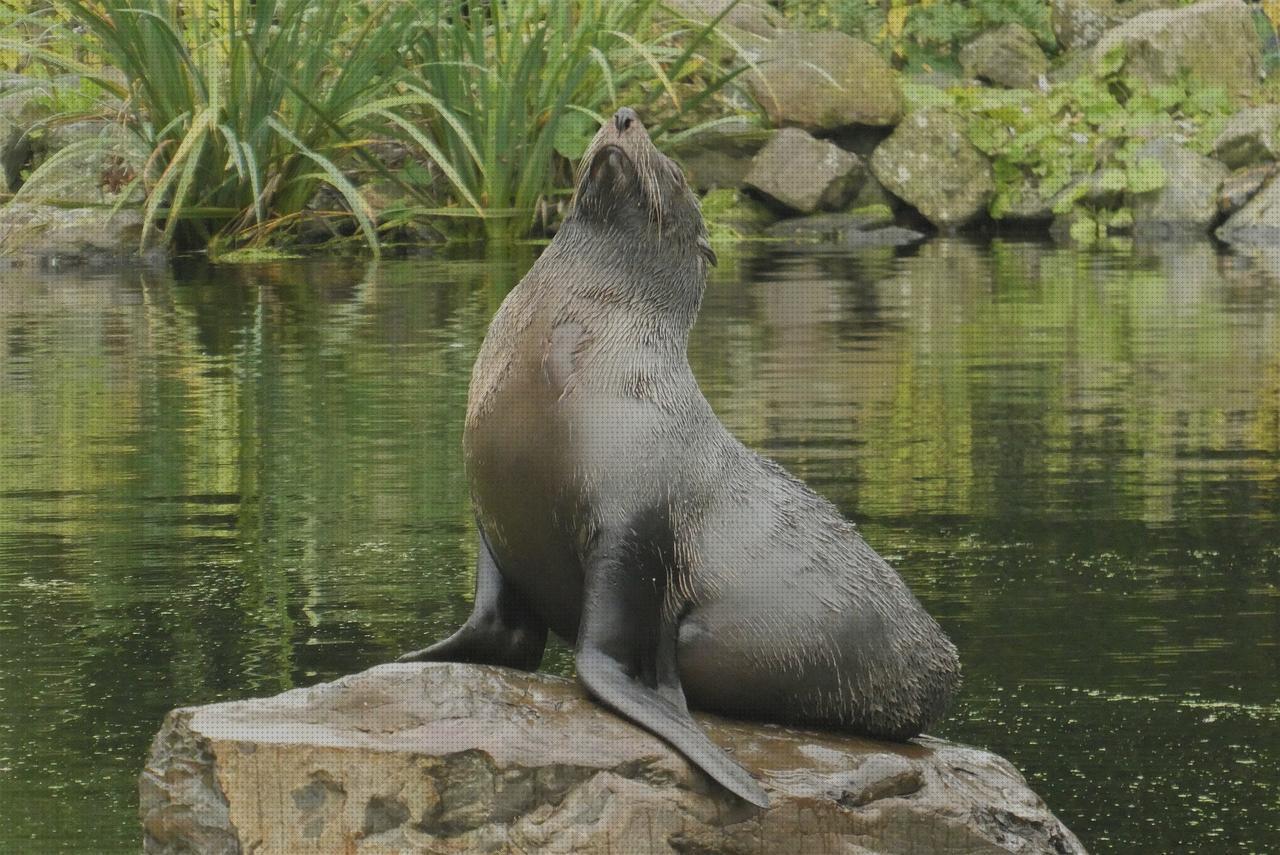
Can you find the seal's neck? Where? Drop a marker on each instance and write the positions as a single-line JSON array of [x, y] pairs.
[[655, 276]]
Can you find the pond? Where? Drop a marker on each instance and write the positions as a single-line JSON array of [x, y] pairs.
[[217, 483]]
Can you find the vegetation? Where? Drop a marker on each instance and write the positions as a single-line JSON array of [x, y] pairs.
[[247, 109]]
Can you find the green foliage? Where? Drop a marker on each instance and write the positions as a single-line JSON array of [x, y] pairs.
[[1078, 146], [498, 100]]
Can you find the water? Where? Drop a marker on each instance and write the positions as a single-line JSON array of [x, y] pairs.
[[226, 482]]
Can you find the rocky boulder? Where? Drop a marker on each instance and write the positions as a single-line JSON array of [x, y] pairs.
[[1250, 137], [754, 16], [805, 174], [929, 163], [461, 758], [1258, 222], [1080, 23], [1008, 56], [1188, 201], [825, 80], [1242, 185], [720, 155], [52, 236], [1213, 40]]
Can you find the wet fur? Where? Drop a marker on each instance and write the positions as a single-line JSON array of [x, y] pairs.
[[582, 393]]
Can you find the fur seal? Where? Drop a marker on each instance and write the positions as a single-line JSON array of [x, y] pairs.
[[615, 509]]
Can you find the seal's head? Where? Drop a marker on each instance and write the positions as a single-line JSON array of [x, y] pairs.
[[626, 183]]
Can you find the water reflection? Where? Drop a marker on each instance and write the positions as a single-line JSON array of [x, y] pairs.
[[223, 483]]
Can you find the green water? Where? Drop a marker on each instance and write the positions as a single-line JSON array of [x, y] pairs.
[[220, 483]]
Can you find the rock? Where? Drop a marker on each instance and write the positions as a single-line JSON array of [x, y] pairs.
[[854, 229], [804, 173], [1025, 204], [88, 162], [1188, 201], [1249, 137], [20, 110], [1213, 40], [825, 80], [445, 758], [929, 163], [720, 156], [60, 237], [1080, 23], [1258, 222], [1242, 185], [754, 16], [1008, 56]]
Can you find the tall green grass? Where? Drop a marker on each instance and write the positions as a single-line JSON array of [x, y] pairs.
[[247, 109], [497, 90]]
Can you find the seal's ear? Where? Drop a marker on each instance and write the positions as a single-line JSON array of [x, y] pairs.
[[704, 247]]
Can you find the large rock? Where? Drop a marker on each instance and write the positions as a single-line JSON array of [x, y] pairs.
[[929, 163], [1213, 40], [1080, 23], [1258, 222], [1188, 201], [52, 236], [1241, 186], [754, 16], [720, 155], [1250, 137], [825, 80], [804, 173], [461, 759], [1008, 56]]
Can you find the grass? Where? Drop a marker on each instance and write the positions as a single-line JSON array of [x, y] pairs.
[[245, 110]]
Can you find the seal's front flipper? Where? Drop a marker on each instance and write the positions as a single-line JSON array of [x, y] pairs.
[[502, 630], [618, 638]]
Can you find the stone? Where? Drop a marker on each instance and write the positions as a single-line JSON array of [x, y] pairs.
[[1214, 41], [1080, 23], [1258, 222], [720, 155], [88, 162], [825, 80], [805, 174], [731, 214], [929, 163], [1242, 185], [1188, 201], [753, 16], [449, 758], [1250, 137], [52, 236], [1007, 56]]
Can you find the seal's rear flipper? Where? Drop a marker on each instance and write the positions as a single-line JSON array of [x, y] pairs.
[[618, 637], [502, 629]]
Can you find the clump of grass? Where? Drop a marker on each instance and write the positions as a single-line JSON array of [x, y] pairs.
[[501, 93], [246, 106]]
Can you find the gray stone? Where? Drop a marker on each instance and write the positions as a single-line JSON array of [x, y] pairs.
[[1250, 137], [1242, 185], [754, 16], [1213, 40], [1008, 56], [805, 174], [1080, 23], [720, 156], [461, 758], [825, 80], [1258, 222], [929, 163], [59, 237], [1188, 201]]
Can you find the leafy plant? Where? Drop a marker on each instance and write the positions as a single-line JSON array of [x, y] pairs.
[[245, 106], [499, 97]]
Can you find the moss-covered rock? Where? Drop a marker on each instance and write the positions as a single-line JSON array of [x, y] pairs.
[[1214, 41], [1188, 201], [1250, 137], [732, 214], [720, 156], [825, 80], [929, 163], [1008, 56], [806, 174], [1080, 23], [1258, 222], [753, 16]]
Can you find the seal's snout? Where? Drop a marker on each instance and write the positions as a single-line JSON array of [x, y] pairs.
[[624, 119]]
